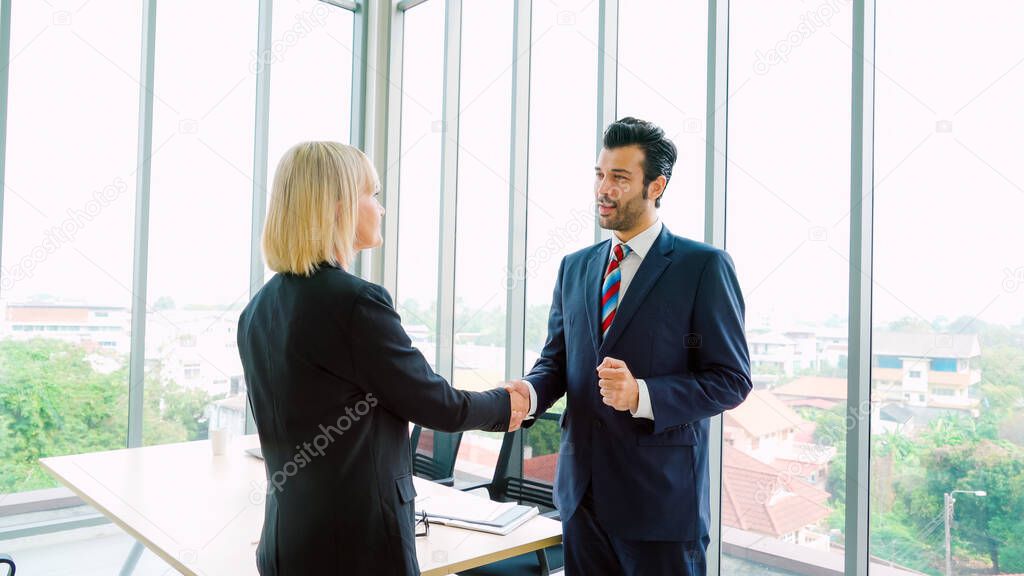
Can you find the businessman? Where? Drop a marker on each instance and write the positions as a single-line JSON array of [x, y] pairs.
[[645, 337]]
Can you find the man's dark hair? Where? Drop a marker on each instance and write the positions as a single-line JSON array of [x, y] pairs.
[[659, 151]]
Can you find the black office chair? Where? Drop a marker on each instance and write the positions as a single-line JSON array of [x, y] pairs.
[[534, 486], [434, 453], [6, 560]]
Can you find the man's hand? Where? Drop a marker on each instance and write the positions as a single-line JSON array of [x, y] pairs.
[[618, 387], [520, 396]]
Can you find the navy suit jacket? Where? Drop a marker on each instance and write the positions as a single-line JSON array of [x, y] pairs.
[[679, 326]]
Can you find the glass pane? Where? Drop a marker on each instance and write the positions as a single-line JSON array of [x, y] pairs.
[[788, 233], [563, 108], [420, 174], [200, 210], [662, 78], [540, 450], [485, 101], [69, 194], [311, 78], [948, 316], [311, 74]]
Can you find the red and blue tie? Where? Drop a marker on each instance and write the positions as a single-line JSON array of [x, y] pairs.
[[610, 288]]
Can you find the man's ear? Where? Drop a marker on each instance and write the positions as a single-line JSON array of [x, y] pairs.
[[656, 188]]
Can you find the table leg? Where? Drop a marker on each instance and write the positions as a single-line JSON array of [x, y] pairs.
[[132, 560]]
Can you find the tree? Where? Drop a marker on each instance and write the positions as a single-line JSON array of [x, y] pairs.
[[164, 303], [52, 403], [910, 324]]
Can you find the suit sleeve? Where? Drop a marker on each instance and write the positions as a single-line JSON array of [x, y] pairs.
[[718, 348], [389, 367], [548, 374]]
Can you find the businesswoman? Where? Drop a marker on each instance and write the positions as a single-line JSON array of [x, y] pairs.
[[334, 380]]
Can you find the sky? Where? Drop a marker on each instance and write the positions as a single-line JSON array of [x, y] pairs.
[[949, 136]]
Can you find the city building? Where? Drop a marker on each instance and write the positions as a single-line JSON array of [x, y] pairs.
[[96, 328], [927, 370]]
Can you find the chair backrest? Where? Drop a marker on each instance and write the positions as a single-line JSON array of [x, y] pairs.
[[534, 485], [434, 453], [6, 560]]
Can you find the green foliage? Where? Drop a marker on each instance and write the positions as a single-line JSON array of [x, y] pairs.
[[953, 453], [544, 437], [52, 403], [911, 324]]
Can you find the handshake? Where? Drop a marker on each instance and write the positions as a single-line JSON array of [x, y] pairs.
[[618, 387], [519, 392]]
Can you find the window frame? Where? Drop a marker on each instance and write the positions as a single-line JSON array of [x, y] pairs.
[[375, 127]]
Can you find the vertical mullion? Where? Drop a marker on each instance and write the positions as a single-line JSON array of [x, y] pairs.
[[260, 144], [259, 168], [858, 407], [449, 190], [714, 225], [5, 61], [607, 82], [140, 257], [386, 261], [378, 25], [357, 111], [519, 155]]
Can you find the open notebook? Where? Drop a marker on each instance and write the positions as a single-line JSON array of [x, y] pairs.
[[483, 515]]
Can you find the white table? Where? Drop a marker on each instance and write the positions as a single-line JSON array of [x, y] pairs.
[[203, 514]]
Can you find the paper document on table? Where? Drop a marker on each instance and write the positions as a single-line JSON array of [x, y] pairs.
[[484, 515]]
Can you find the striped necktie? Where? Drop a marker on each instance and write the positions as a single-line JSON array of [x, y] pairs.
[[610, 288]]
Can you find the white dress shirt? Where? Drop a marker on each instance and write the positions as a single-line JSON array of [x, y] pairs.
[[639, 246]]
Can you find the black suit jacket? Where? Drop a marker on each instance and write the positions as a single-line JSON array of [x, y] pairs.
[[334, 381]]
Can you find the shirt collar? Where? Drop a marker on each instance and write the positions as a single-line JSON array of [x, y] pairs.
[[642, 242]]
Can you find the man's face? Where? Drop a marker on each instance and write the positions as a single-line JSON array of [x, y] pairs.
[[619, 189]]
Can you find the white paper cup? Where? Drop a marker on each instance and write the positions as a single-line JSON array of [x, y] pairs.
[[219, 438]]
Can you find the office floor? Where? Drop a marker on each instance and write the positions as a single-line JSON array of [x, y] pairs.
[[92, 551]]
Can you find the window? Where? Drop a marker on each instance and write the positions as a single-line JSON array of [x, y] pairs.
[[563, 108], [481, 262], [662, 66], [69, 193], [485, 102], [192, 371], [787, 213], [420, 174], [948, 188], [69, 218], [204, 105], [888, 362], [311, 74]]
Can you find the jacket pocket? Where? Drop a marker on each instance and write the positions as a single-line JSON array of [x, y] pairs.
[[406, 488], [683, 435]]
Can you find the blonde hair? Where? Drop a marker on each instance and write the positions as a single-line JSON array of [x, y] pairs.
[[314, 206]]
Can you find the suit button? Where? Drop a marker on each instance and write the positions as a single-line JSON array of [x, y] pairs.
[[599, 424]]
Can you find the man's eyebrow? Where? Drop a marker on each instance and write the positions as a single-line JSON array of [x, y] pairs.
[[622, 170]]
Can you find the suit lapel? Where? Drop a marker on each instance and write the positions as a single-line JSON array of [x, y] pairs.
[[592, 291], [646, 277]]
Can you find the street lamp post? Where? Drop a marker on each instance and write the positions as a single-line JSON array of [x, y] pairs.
[[949, 499]]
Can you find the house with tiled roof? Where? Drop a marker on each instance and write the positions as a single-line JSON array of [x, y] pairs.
[[757, 497], [766, 428], [813, 391]]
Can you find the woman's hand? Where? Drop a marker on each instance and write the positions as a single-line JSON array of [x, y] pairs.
[[520, 402]]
